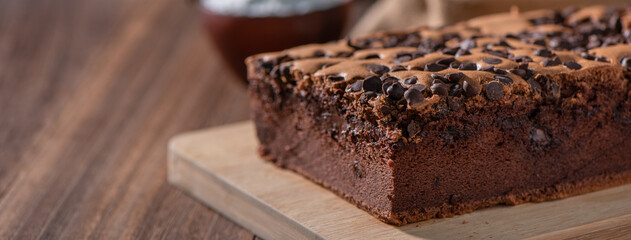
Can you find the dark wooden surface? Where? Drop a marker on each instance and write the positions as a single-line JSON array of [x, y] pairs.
[[90, 92]]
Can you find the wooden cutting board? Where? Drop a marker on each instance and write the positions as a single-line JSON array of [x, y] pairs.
[[220, 167]]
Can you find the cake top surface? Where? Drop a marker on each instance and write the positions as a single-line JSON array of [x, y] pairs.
[[489, 57]]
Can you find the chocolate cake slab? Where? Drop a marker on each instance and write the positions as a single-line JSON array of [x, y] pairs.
[[432, 122]]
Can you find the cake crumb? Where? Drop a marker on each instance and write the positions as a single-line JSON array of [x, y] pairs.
[[464, 222]]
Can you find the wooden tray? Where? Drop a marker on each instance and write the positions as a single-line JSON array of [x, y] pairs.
[[220, 167]]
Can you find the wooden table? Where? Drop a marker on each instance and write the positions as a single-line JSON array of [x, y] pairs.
[[90, 92]]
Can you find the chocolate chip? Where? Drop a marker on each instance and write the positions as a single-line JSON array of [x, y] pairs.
[[504, 79], [494, 91], [487, 68], [522, 59], [377, 68], [356, 86], [372, 83], [387, 82], [468, 44], [492, 60], [503, 43], [455, 77], [403, 54], [462, 52], [446, 61], [553, 91], [334, 78], [450, 51], [397, 68], [560, 43], [438, 77], [319, 53], [440, 89], [626, 62], [572, 65], [419, 87], [395, 91], [468, 66], [551, 62], [543, 52], [410, 80], [434, 67], [455, 64], [455, 90], [372, 56], [520, 72], [469, 90], [403, 59], [498, 53], [413, 97], [587, 56], [540, 42], [367, 96], [260, 63], [500, 71], [535, 87], [539, 136]]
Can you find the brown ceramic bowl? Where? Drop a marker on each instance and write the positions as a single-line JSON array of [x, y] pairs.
[[237, 37]]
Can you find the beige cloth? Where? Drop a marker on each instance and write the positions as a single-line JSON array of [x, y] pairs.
[[401, 14]]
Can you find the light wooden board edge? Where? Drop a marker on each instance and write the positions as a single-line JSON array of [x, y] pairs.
[[232, 202], [195, 177], [613, 228]]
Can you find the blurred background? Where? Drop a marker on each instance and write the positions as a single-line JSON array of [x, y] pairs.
[[91, 91]]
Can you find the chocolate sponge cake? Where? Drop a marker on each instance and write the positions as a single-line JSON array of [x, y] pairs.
[[433, 122]]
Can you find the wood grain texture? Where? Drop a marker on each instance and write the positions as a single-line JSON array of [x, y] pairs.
[[90, 92], [220, 167]]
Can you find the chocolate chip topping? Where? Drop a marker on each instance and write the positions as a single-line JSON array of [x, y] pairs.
[[446, 61], [335, 78], [462, 52], [504, 80], [410, 80], [572, 65], [626, 62], [377, 68], [468, 44], [561, 42], [437, 76], [551, 62], [356, 86], [434, 67], [494, 91], [397, 68], [413, 96], [525, 74], [455, 77], [543, 52], [468, 66], [372, 83], [492, 60], [440, 89], [367, 96], [469, 90], [395, 91]]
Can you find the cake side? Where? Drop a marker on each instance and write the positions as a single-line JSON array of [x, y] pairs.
[[304, 134], [524, 151], [431, 122]]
